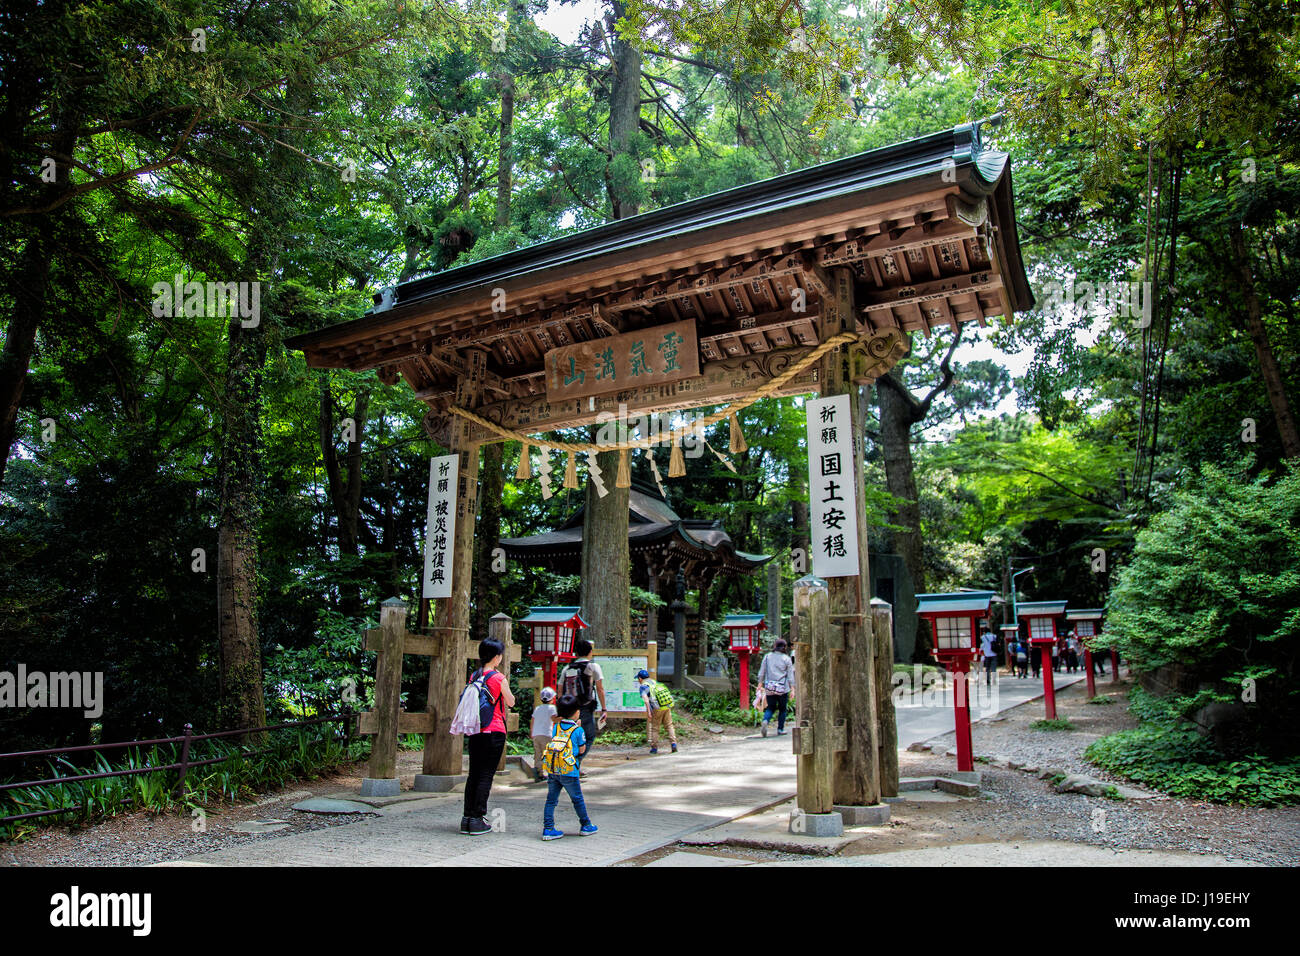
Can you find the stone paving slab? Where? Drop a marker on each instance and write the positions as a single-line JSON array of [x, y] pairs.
[[1044, 853]]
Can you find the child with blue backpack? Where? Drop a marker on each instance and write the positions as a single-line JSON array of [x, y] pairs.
[[561, 763]]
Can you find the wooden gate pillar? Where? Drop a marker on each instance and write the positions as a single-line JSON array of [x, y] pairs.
[[817, 735], [442, 751], [882, 623], [381, 772], [857, 771]]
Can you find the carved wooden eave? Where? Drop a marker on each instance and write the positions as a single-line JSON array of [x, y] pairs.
[[926, 230]]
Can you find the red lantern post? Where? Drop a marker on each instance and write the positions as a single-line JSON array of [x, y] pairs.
[[1042, 617], [954, 621], [1087, 623], [743, 633]]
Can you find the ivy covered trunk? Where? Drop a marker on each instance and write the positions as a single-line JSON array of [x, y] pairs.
[[239, 472]]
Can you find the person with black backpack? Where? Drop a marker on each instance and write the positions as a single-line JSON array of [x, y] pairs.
[[486, 746], [582, 679]]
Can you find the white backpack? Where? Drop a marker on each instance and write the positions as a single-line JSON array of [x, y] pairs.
[[466, 718]]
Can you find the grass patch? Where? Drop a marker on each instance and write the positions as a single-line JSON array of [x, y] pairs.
[[1056, 723], [1102, 700]]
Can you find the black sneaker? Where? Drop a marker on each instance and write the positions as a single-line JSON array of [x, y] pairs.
[[464, 824], [478, 826]]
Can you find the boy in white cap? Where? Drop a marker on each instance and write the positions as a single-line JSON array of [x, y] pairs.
[[544, 717]]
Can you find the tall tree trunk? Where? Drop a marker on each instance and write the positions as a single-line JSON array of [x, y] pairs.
[[487, 583], [239, 475], [896, 450], [30, 287], [345, 495], [1268, 368], [606, 601], [624, 112], [606, 565]]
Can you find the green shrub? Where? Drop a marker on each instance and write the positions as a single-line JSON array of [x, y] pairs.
[[1214, 586], [1168, 754]]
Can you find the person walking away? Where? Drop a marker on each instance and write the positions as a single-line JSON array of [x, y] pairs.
[[1072, 652], [990, 656], [562, 764], [776, 675], [542, 730], [486, 747], [1022, 659], [1036, 659], [583, 680], [658, 710]]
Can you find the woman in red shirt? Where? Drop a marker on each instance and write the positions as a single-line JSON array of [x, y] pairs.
[[485, 747]]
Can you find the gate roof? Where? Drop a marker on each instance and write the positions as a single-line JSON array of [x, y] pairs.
[[927, 228]]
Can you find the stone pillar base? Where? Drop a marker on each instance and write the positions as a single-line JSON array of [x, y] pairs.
[[964, 776], [437, 783], [380, 787], [872, 816], [817, 824]]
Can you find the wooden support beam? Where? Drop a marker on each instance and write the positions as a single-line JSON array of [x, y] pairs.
[[415, 722], [719, 382], [857, 776], [384, 720], [882, 626], [814, 734], [442, 750]]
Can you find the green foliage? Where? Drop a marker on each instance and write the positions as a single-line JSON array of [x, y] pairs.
[[1177, 761], [1214, 586], [716, 708], [1055, 723], [290, 755], [1101, 700]]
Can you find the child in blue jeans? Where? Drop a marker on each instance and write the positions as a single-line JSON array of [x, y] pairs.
[[562, 761]]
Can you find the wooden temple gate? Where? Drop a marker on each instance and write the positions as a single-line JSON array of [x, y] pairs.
[[805, 283]]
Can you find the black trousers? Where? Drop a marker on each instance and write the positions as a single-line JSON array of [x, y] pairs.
[[484, 755], [587, 717]]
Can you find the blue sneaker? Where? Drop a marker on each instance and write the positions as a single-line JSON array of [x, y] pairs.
[[654, 750], [552, 834], [587, 830]]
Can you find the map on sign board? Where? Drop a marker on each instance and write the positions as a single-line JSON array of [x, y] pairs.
[[832, 498], [621, 694]]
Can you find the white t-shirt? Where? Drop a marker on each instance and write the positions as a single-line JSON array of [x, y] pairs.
[[542, 714], [986, 644]]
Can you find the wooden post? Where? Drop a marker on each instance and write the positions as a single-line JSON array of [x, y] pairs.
[[814, 735], [857, 770], [381, 771], [499, 628], [442, 751], [882, 624]]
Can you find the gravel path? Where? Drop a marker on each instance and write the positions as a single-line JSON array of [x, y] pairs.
[[1017, 805]]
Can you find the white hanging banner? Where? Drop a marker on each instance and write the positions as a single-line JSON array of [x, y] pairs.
[[832, 503], [440, 529]]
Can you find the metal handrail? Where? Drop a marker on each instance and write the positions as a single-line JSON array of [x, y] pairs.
[[183, 765]]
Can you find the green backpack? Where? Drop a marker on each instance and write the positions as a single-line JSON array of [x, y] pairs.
[[559, 757], [663, 697]]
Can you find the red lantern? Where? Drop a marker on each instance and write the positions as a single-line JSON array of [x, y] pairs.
[[954, 621], [552, 632], [1087, 624], [743, 631]]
